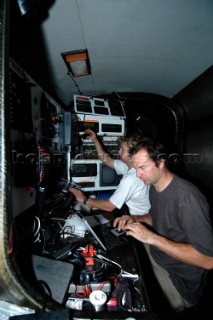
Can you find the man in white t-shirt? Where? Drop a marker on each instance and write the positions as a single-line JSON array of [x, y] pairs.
[[131, 190]]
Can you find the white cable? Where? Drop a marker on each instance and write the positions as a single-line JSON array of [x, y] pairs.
[[75, 304], [108, 260], [37, 231], [39, 224], [124, 273]]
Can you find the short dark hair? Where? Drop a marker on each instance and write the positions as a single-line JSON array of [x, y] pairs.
[[154, 148]]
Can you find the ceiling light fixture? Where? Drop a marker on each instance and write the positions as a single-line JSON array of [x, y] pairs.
[[77, 62]]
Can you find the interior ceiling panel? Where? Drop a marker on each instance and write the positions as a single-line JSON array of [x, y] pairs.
[[156, 46]]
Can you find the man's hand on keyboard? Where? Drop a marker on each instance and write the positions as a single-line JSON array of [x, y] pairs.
[[120, 222]]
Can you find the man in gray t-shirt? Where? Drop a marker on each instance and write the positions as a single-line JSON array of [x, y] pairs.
[[179, 239]]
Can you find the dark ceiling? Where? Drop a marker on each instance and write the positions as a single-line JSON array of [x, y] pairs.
[[154, 46]]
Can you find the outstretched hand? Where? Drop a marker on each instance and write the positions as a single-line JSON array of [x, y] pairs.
[[78, 194], [91, 135], [139, 231], [122, 221]]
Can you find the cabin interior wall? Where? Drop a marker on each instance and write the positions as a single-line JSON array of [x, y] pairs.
[[157, 117], [197, 100]]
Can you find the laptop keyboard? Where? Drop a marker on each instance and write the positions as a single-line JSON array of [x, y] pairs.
[[109, 239]]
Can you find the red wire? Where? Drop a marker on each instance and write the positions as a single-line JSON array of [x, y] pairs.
[[101, 285], [78, 294], [86, 291]]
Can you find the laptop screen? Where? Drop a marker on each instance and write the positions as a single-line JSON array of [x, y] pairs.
[[104, 233]]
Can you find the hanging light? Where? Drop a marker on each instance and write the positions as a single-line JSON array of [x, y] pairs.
[[77, 62]]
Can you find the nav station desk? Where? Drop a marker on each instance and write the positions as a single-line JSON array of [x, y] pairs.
[[133, 301], [123, 275]]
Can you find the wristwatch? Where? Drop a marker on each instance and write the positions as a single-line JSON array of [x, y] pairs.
[[86, 199]]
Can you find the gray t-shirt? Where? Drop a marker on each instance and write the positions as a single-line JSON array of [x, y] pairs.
[[181, 213]]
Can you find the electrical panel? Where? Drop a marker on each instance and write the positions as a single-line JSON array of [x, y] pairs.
[[98, 106], [108, 121], [40, 131]]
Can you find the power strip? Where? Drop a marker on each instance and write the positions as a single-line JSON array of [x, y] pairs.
[[106, 287]]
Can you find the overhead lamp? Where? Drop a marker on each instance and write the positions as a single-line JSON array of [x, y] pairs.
[[77, 62]]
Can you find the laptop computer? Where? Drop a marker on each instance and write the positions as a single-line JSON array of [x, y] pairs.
[[55, 276], [108, 237]]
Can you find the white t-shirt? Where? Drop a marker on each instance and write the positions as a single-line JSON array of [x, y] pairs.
[[131, 190]]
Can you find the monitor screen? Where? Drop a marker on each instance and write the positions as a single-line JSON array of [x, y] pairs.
[[108, 176]]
